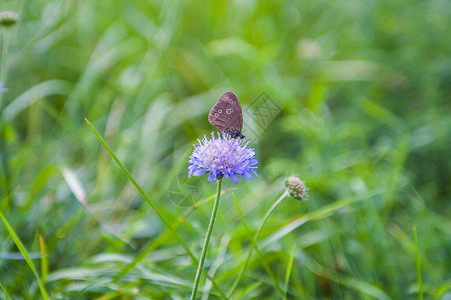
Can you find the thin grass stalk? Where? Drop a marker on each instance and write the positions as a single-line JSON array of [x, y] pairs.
[[288, 271], [5, 292], [25, 254], [152, 205], [420, 281], [159, 241]]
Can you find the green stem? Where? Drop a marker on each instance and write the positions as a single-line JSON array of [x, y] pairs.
[[260, 255], [3, 63], [207, 241], [3, 152], [420, 282], [254, 242]]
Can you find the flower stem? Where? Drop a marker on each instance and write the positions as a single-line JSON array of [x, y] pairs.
[[207, 241], [3, 150], [3, 63]]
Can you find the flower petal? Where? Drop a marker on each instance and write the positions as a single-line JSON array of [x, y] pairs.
[[222, 156], [248, 176], [211, 177], [199, 172], [234, 178]]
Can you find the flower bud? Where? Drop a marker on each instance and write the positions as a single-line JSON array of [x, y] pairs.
[[296, 188], [8, 18]]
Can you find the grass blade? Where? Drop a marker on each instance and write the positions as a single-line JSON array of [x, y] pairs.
[[288, 273], [44, 259], [350, 282], [152, 205], [420, 281], [25, 254], [6, 294], [159, 241]]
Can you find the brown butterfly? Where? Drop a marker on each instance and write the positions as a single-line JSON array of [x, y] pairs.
[[226, 115]]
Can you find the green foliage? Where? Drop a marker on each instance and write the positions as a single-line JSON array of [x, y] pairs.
[[365, 89]]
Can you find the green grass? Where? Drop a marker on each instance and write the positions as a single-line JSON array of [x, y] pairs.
[[88, 211], [25, 255], [420, 282]]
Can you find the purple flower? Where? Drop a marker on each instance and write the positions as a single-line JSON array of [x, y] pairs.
[[1, 87], [222, 156]]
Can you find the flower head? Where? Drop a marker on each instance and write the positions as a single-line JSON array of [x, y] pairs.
[[296, 188], [8, 18], [222, 156]]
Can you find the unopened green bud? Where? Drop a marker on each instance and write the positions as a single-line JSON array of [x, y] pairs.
[[8, 18]]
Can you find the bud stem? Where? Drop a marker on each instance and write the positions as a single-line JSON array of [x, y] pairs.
[[3, 63], [254, 242], [3, 150]]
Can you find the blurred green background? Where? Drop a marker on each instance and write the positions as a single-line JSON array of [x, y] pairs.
[[364, 87]]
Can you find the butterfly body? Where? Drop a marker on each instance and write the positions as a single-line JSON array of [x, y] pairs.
[[234, 133], [227, 116]]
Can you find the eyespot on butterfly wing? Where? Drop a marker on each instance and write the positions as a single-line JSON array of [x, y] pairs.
[[227, 116]]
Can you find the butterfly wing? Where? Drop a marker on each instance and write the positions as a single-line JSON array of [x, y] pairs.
[[226, 114]]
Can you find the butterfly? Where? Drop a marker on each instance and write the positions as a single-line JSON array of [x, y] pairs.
[[226, 115]]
